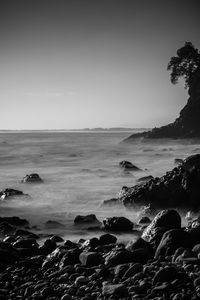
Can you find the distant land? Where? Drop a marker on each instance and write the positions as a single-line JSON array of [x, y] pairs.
[[96, 129]]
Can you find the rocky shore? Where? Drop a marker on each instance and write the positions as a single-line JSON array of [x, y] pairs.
[[178, 188], [164, 263]]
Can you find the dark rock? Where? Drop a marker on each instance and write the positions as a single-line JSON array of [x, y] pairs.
[[48, 247], [32, 178], [106, 239], [165, 218], [117, 224], [57, 239], [177, 188], [6, 228], [178, 161], [15, 221], [93, 242], [7, 193], [25, 243], [172, 240], [167, 274], [70, 257], [138, 244], [85, 219], [115, 258], [91, 259], [127, 165], [145, 178], [110, 202], [53, 224]]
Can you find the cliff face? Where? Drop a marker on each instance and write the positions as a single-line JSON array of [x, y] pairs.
[[187, 125]]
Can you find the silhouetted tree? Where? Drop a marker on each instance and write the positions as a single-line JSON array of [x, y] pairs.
[[184, 64]]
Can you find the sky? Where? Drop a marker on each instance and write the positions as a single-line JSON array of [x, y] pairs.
[[92, 63]]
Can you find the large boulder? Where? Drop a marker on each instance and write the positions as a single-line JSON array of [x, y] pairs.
[[168, 218], [15, 221], [117, 224], [32, 178], [172, 240]]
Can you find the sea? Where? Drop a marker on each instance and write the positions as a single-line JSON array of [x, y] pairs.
[[80, 170]]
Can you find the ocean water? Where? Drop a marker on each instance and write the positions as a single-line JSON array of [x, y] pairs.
[[80, 170]]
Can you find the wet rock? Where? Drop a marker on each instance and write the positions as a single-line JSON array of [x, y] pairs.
[[106, 239], [117, 224], [119, 290], [127, 165], [91, 259], [7, 193], [93, 242], [172, 240], [32, 178], [165, 218]]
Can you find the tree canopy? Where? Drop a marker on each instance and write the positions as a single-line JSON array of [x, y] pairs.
[[184, 64]]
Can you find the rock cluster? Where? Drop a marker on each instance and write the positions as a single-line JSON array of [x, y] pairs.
[[177, 188], [157, 266]]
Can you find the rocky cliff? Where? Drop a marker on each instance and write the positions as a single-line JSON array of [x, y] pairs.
[[187, 125]]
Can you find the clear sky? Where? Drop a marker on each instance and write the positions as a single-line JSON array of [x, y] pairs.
[[92, 63]]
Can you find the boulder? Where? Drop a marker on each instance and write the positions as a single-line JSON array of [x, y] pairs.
[[127, 165], [138, 244], [106, 239], [32, 178], [168, 218], [112, 201], [8, 193], [85, 219], [117, 224], [117, 257], [90, 259], [172, 240]]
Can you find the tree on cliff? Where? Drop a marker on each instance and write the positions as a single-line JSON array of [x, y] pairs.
[[184, 64]]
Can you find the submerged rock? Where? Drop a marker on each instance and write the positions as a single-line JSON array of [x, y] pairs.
[[32, 178], [7, 193], [15, 221], [53, 224], [127, 165], [145, 178]]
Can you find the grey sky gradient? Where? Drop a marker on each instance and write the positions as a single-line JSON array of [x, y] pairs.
[[89, 63]]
